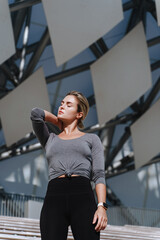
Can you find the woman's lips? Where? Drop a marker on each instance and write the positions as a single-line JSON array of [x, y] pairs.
[[60, 112]]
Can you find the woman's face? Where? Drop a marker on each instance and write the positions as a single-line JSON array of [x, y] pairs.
[[68, 109]]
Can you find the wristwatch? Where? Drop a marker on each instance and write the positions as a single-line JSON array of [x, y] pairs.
[[103, 204]]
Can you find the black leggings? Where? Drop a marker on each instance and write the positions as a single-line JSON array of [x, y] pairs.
[[69, 201]]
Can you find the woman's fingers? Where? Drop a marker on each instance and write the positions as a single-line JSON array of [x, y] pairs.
[[104, 224], [101, 216], [101, 224], [94, 218], [98, 224]]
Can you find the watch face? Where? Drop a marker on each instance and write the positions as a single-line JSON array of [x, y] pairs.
[[105, 205]]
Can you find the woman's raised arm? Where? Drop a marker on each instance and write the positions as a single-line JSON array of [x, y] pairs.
[[39, 126], [38, 117]]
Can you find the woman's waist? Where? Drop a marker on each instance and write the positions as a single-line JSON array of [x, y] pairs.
[[68, 175], [74, 184], [68, 172]]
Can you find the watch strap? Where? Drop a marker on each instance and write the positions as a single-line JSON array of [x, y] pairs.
[[103, 204]]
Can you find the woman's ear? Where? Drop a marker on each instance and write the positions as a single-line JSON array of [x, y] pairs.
[[79, 115]]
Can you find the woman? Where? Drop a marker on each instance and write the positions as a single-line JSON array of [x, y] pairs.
[[74, 158]]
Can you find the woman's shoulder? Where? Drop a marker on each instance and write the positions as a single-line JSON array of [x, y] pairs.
[[93, 137], [52, 134], [95, 141]]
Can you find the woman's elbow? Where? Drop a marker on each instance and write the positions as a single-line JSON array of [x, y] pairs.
[[37, 113]]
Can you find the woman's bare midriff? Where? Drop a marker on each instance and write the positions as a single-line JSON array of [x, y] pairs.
[[65, 175]]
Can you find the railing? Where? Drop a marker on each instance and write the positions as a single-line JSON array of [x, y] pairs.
[[14, 205], [134, 216]]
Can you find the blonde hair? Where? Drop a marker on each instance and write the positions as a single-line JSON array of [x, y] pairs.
[[83, 106]]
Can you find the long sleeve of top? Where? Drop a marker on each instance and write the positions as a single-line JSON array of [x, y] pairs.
[[83, 156], [39, 126]]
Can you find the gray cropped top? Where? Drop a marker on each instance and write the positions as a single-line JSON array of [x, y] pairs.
[[82, 156]]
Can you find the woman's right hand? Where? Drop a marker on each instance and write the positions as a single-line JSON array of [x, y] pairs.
[[50, 117]]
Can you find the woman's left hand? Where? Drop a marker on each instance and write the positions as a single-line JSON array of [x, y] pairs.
[[101, 216]]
